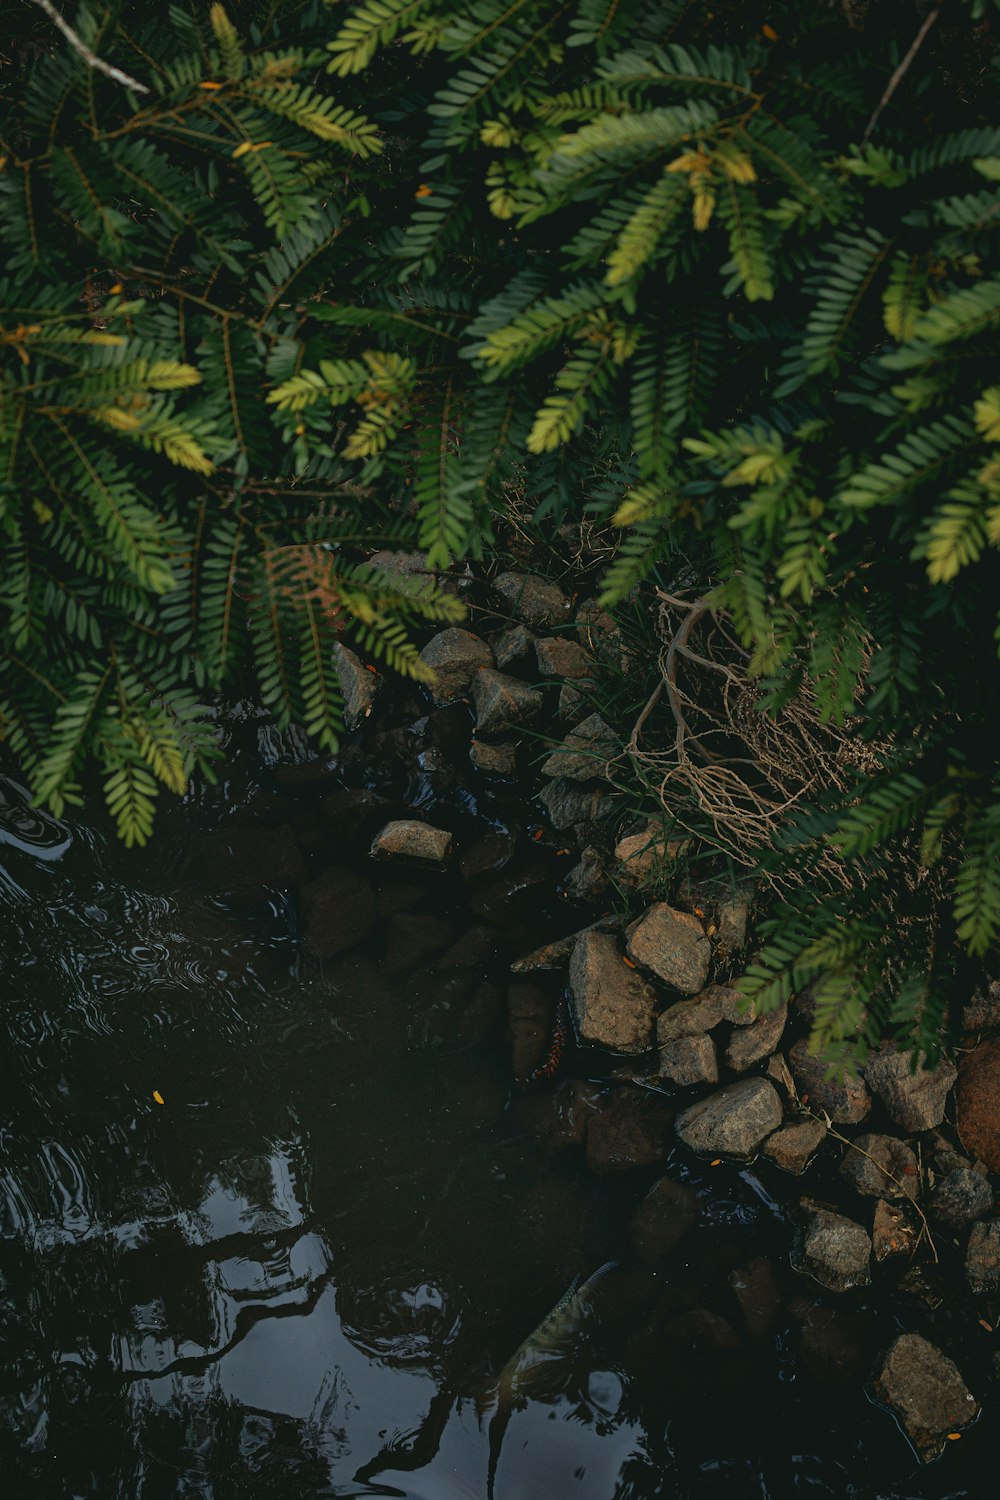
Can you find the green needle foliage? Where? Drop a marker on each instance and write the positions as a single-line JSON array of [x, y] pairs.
[[725, 277]]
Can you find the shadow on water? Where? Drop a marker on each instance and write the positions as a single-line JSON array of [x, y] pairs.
[[304, 1272]]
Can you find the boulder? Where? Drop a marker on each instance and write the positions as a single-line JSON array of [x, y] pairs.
[[978, 1114], [360, 684], [982, 1258], [880, 1166], [893, 1232], [502, 702], [913, 1100], [588, 880], [615, 1006], [585, 751], [486, 856], [925, 1390], [510, 645], [960, 1197], [559, 657], [834, 1250], [791, 1148], [634, 1131], [454, 657], [534, 601], [689, 1017], [735, 1121], [672, 945], [495, 760], [529, 1025], [748, 1044], [338, 911], [845, 1099], [666, 1213], [688, 1060], [568, 805], [405, 838]]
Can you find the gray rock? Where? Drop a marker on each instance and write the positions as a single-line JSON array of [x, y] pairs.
[[735, 1008], [982, 1258], [338, 911], [791, 1148], [666, 1213], [914, 1101], [926, 1391], [641, 857], [359, 684], [400, 564], [733, 1122], [846, 1099], [568, 805], [455, 657], [404, 838], [573, 705], [689, 1017], [893, 1231], [748, 1044], [960, 1197], [732, 917], [688, 1060], [495, 760], [533, 600], [585, 751], [615, 1006], [588, 880], [983, 1011], [559, 657], [672, 945], [510, 645], [834, 1250], [502, 702], [880, 1166]]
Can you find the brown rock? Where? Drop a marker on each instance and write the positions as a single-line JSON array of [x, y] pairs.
[[559, 657], [983, 1011], [338, 911], [588, 880], [757, 1292], [978, 1116], [614, 1005], [642, 857], [791, 1147], [834, 1250], [672, 945], [732, 918], [926, 1391], [734, 1121], [405, 838], [502, 702], [689, 1017], [846, 1099], [573, 704], [893, 1231], [880, 1166], [455, 657], [600, 634], [535, 601], [914, 1100], [688, 1060], [748, 1044], [634, 1131], [778, 1071], [982, 1258], [666, 1213], [556, 954]]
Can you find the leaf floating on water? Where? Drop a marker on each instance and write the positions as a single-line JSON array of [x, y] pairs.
[[988, 1326], [157, 1096], [716, 1163], [953, 1437]]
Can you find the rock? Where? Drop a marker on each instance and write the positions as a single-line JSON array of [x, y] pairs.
[[778, 1071], [338, 912], [598, 632], [360, 685], [982, 1258], [700, 1332], [666, 1213], [585, 751], [758, 1294], [297, 777], [407, 839], [588, 880], [400, 564], [568, 805], [880, 1166], [632, 1132], [559, 1116], [689, 1017], [353, 812], [846, 1100], [556, 954], [914, 1101], [836, 1342], [834, 1250], [614, 1005], [960, 1197], [410, 939], [486, 856], [502, 702], [791, 1147], [735, 1008], [893, 1232], [529, 1026], [454, 656], [241, 859], [983, 1011], [978, 1115], [672, 945], [926, 1391], [495, 760], [735, 1121], [535, 601], [924, 1284], [748, 1044], [573, 704], [559, 657], [732, 918], [688, 1060], [642, 858], [510, 645], [477, 946]]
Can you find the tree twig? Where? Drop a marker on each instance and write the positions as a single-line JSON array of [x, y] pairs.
[[901, 71], [90, 58]]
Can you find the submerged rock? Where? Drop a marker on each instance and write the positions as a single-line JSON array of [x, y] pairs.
[[241, 859], [759, 1296], [960, 1197], [338, 911], [360, 685], [978, 1114], [502, 702], [666, 1213], [672, 945], [688, 1060], [614, 1005], [536, 601], [926, 1391], [529, 1024], [913, 1100], [880, 1166], [792, 1147], [982, 1258], [733, 1122], [405, 838], [410, 939], [455, 657], [585, 751], [495, 760], [846, 1099], [834, 1250], [350, 812], [748, 1044], [634, 1131], [486, 856]]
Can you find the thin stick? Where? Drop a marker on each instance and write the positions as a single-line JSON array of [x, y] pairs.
[[901, 71], [90, 58]]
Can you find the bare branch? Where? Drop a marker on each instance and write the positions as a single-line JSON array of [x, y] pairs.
[[90, 58], [900, 72]]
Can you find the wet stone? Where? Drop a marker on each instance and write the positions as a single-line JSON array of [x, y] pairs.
[[846, 1100], [634, 1131], [354, 812], [663, 1217], [495, 760], [759, 1296], [672, 945], [510, 645], [913, 1101], [978, 1112], [834, 1341], [502, 702], [614, 1005], [486, 856], [241, 859], [585, 751], [407, 839], [689, 1017], [559, 657], [559, 1116], [834, 1250], [529, 1025], [982, 1258], [338, 911], [301, 777], [688, 1060], [588, 880], [960, 1197], [893, 1230], [535, 601], [360, 685], [880, 1166], [557, 954], [476, 946], [748, 1044], [735, 1121], [410, 939], [454, 656], [792, 1147], [926, 1391]]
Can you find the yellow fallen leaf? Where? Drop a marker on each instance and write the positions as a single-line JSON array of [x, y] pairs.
[[988, 1326], [953, 1437], [769, 32], [423, 191], [716, 1163], [157, 1096]]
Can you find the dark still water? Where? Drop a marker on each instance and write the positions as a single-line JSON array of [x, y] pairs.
[[307, 1270]]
